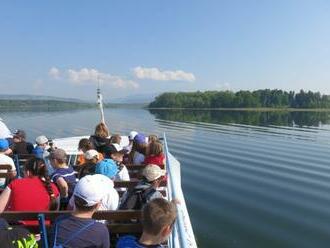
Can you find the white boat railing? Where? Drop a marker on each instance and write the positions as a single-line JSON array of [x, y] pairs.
[[182, 235]]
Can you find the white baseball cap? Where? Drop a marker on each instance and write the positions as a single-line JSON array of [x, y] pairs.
[[132, 135], [92, 188], [152, 172], [42, 139], [90, 154]]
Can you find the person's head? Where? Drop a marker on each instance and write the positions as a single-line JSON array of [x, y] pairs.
[[85, 145], [158, 217], [131, 136], [152, 138], [58, 158], [115, 152], [115, 139], [4, 145], [42, 141], [140, 143], [19, 136], [153, 174], [37, 167], [155, 148], [92, 156], [89, 193], [101, 130]]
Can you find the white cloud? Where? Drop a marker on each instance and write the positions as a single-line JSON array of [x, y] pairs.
[[54, 73], [86, 75], [156, 74]]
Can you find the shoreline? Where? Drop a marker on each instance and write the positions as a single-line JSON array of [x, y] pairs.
[[252, 109]]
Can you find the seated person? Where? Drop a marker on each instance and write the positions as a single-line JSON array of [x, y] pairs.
[[4, 159], [146, 190], [115, 139], [100, 139], [85, 145], [158, 217], [19, 145], [139, 147], [15, 237], [91, 158], [110, 199], [79, 229], [153, 138], [64, 176], [112, 166], [34, 192], [155, 154], [40, 151]]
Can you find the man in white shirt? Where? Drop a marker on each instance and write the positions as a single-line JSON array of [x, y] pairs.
[[4, 159]]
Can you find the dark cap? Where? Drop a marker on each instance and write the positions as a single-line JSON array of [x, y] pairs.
[[114, 148], [20, 134]]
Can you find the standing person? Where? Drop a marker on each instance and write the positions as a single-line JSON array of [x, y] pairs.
[[34, 192], [79, 229], [158, 217], [64, 176], [20, 146], [4, 159], [100, 139]]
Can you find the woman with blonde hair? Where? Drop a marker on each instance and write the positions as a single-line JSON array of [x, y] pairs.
[[100, 138]]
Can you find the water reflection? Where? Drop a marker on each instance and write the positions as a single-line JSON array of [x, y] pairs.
[[255, 118]]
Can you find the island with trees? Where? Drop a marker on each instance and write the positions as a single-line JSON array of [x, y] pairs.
[[270, 99]]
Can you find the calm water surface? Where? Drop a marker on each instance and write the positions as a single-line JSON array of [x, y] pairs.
[[250, 179]]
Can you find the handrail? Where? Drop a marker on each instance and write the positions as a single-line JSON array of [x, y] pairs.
[[179, 234]]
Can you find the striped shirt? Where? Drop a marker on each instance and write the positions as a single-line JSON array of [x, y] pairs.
[[68, 174]]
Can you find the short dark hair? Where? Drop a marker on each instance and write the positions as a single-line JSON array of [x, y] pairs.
[[81, 204], [158, 214]]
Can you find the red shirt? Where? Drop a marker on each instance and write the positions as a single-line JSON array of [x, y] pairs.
[[155, 159], [29, 194]]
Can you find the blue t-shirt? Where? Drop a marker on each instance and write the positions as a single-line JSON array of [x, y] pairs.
[[68, 174], [129, 241], [73, 229], [107, 167], [38, 152]]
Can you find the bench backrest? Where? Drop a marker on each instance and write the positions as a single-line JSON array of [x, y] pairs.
[[119, 221], [6, 171]]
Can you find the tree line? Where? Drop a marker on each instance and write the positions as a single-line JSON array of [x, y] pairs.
[[242, 99]]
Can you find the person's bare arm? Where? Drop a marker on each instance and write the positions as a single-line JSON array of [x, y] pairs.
[[4, 198], [63, 186]]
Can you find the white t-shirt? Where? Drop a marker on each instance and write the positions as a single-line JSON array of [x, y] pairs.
[[123, 175], [4, 131], [4, 159], [138, 158]]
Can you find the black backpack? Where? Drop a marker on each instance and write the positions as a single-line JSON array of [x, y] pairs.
[[136, 198]]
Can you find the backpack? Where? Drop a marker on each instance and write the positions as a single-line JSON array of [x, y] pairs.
[[136, 198], [75, 234]]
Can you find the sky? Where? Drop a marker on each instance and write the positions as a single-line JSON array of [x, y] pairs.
[[64, 48]]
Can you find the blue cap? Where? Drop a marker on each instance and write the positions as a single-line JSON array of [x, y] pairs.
[[107, 167], [4, 145], [140, 139]]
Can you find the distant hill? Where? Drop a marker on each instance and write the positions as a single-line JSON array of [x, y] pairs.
[[38, 97]]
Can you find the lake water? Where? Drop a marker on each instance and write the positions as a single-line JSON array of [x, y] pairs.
[[250, 179]]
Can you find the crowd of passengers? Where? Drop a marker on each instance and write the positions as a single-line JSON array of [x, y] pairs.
[[49, 183]]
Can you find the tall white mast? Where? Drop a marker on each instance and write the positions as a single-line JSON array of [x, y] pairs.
[[100, 101]]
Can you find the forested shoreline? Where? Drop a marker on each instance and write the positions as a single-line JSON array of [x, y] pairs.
[[242, 99]]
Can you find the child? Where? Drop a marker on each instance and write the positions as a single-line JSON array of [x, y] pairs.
[[155, 154], [63, 176], [158, 217]]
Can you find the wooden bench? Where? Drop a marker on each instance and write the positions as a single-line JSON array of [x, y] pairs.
[[119, 221]]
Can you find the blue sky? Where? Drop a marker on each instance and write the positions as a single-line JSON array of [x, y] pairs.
[[62, 48]]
